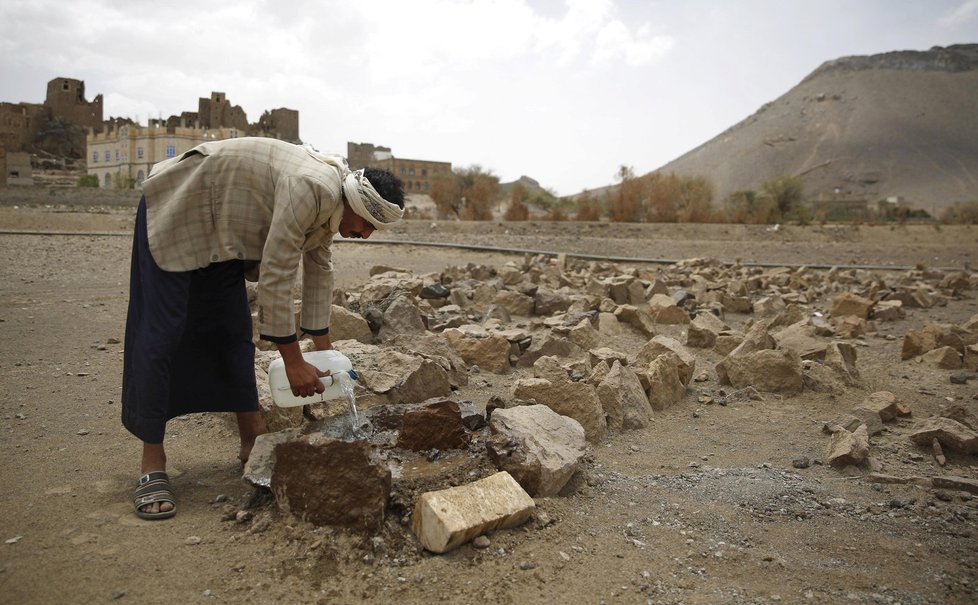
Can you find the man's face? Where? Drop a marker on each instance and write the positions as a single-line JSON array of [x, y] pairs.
[[354, 226]]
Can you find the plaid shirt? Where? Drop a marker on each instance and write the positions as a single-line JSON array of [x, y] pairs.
[[254, 199]]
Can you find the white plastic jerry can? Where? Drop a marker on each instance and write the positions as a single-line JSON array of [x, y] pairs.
[[337, 363]]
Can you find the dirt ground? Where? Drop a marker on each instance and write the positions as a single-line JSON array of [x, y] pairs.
[[703, 506]]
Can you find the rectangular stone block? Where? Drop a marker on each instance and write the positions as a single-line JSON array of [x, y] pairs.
[[448, 518]]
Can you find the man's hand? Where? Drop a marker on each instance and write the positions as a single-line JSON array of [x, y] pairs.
[[303, 376]]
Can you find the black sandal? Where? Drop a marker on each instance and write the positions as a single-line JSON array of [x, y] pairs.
[[153, 487]]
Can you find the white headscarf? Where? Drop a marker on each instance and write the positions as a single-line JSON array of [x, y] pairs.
[[360, 193]]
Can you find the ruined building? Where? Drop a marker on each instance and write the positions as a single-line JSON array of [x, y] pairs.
[[122, 154], [415, 174], [57, 126]]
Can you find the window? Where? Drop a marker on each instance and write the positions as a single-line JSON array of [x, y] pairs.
[[95, 157], [424, 172], [108, 155], [410, 170], [171, 151], [139, 152], [116, 155]]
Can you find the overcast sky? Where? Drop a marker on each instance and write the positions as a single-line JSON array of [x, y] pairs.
[[562, 91]]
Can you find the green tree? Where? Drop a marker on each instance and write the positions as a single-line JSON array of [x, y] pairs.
[[786, 193]]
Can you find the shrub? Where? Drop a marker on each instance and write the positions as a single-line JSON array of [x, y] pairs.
[[961, 214], [88, 180]]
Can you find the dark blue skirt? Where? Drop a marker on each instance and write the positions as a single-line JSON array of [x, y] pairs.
[[188, 342]]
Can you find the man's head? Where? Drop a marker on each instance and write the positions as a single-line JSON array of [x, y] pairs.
[[373, 198]]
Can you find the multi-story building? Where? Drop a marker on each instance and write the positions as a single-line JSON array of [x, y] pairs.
[[416, 175], [122, 155]]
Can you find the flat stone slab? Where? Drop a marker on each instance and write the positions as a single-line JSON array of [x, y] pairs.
[[446, 519]]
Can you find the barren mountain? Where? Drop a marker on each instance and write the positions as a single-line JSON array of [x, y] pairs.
[[895, 124]]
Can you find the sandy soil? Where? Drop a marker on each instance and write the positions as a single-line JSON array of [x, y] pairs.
[[704, 506]]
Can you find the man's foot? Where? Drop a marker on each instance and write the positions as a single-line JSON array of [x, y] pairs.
[[153, 498]]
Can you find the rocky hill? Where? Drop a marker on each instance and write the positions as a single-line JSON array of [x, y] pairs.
[[899, 124]]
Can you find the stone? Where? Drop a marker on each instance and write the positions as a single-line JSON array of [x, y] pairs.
[[516, 303], [768, 306], [444, 520], [607, 355], [490, 353], [951, 433], [401, 317], [918, 342], [962, 377], [672, 315], [625, 404], [260, 466], [703, 331], [510, 273], [962, 415], [659, 345], [434, 347], [945, 358], [540, 448], [766, 370], [850, 326], [549, 367], [841, 358], [848, 448], [757, 338], [636, 318], [577, 400], [800, 338], [347, 325], [584, 335], [401, 378], [434, 291], [381, 286], [848, 303], [888, 310], [473, 414], [547, 344], [547, 302], [727, 342], [433, 424], [330, 482], [608, 325], [665, 385], [884, 403]]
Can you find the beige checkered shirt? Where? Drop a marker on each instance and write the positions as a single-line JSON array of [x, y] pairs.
[[254, 199]]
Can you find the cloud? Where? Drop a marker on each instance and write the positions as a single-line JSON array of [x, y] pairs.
[[964, 13], [616, 42]]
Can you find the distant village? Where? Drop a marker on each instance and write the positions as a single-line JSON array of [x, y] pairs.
[[67, 131]]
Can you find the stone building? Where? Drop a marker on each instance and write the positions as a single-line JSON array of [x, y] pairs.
[[66, 101], [15, 168], [22, 123], [416, 175]]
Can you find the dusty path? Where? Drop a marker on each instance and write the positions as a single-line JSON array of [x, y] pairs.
[[702, 507]]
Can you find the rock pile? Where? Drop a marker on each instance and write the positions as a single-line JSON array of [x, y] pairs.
[[587, 348]]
